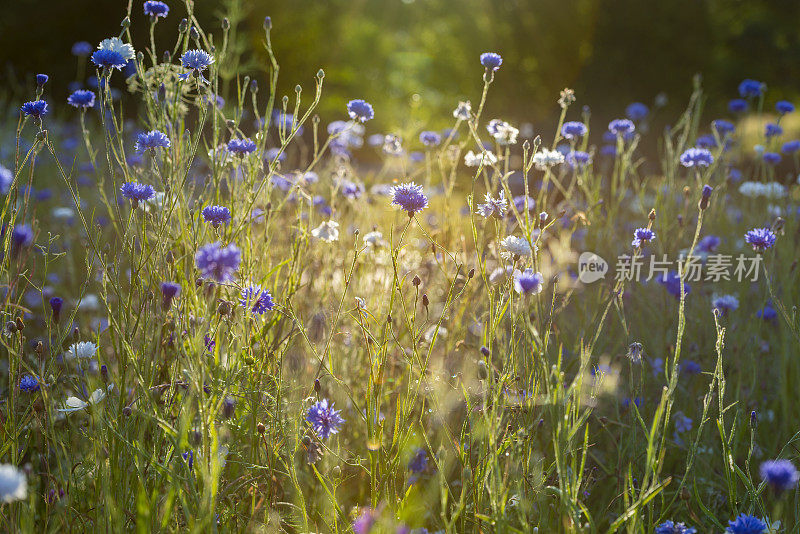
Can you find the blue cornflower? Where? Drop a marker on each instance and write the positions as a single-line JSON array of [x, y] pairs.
[[690, 367], [706, 192], [636, 111], [109, 59], [642, 236], [419, 461], [256, 300], [573, 130], [771, 158], [241, 147], [772, 130], [81, 99], [522, 203], [81, 49], [216, 215], [608, 150], [725, 303], [672, 283], [493, 206], [682, 423], [218, 262], [706, 141], [36, 108], [360, 110], [668, 527], [746, 524], [189, 457], [738, 105], [790, 147], [578, 159], [491, 60], [780, 474], [784, 106], [696, 157], [136, 192], [621, 127], [22, 235], [751, 88], [169, 290], [56, 303], [197, 61], [430, 139], [324, 419], [723, 127], [760, 238], [151, 141], [767, 313], [155, 9], [409, 197], [350, 189], [29, 383], [528, 282], [41, 79], [273, 154], [708, 243]]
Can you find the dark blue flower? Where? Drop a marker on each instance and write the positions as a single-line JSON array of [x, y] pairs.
[[772, 130], [706, 141], [241, 147], [608, 150], [430, 139], [216, 215], [672, 283], [578, 159], [409, 197], [218, 262], [136, 192], [528, 282], [109, 59], [419, 461], [708, 243], [29, 383], [324, 419], [725, 303], [746, 524], [784, 106], [790, 147], [256, 300], [771, 158], [81, 99], [738, 105], [696, 157], [760, 238], [41, 79], [491, 60], [22, 235], [751, 88], [81, 49], [56, 303], [155, 9], [36, 108], [780, 474], [668, 527], [197, 61], [573, 130], [642, 236], [189, 457], [151, 141], [691, 367], [707, 190], [723, 127], [621, 127], [360, 110], [767, 313], [636, 111], [169, 290]]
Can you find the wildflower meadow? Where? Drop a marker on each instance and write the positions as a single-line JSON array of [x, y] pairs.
[[224, 312]]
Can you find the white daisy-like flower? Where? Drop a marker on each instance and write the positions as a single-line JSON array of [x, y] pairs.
[[13, 484], [506, 134], [81, 350], [115, 44], [515, 246], [74, 404], [328, 231], [463, 110], [472, 159], [547, 158]]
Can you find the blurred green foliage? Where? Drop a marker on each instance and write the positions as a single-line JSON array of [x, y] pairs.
[[611, 52]]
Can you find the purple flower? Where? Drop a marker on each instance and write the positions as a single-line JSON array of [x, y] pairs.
[[197, 61], [760, 238], [746, 524], [780, 474], [81, 49], [723, 127], [738, 105], [409, 197], [493, 206], [36, 108], [418, 462], [81, 99], [41, 79], [642, 236], [155, 9], [751, 88], [136, 192], [324, 419], [668, 527], [790, 147], [771, 158], [636, 111], [169, 290], [672, 283], [430, 139], [528, 282], [784, 106], [491, 61], [241, 147], [256, 300], [360, 110], [218, 262], [573, 130], [216, 215], [708, 243], [772, 130], [22, 235], [56, 303], [365, 521], [621, 127], [578, 159], [189, 457], [151, 141], [29, 383], [109, 59], [696, 157]]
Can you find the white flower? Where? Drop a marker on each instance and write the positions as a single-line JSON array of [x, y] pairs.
[[89, 302], [473, 160], [515, 246], [115, 44], [74, 404], [374, 240], [13, 484], [328, 231], [63, 213], [462, 112], [81, 350], [506, 134], [759, 189], [547, 158]]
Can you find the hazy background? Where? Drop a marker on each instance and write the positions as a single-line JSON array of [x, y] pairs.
[[611, 52]]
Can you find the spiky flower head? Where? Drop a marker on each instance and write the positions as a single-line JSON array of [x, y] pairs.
[[324, 419], [256, 300], [218, 262], [360, 110], [760, 238], [409, 197]]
